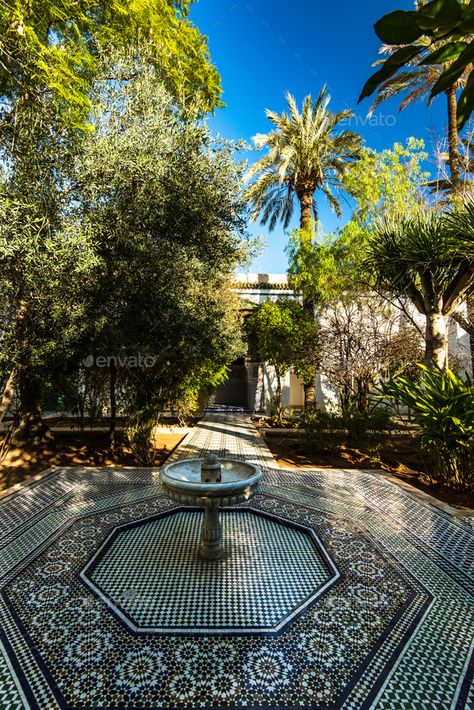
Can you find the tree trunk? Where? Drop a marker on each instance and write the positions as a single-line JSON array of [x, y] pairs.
[[278, 395], [306, 214], [30, 394], [306, 226], [363, 390], [309, 394], [453, 142], [7, 395], [113, 406], [436, 352]]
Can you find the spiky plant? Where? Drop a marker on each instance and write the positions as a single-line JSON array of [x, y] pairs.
[[428, 259], [306, 153]]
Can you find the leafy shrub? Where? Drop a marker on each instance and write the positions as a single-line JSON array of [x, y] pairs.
[[324, 430], [442, 404], [139, 434], [359, 424]]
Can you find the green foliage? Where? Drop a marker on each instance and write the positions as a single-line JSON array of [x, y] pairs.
[[359, 424], [324, 431], [54, 47], [389, 183], [44, 258], [442, 403], [139, 434], [429, 259], [326, 268], [119, 243], [450, 22], [287, 337], [165, 207], [190, 397], [425, 257]]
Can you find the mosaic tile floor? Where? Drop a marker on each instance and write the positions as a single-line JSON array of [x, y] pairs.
[[338, 590]]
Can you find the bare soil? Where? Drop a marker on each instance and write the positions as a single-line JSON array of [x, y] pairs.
[[79, 448], [398, 454]]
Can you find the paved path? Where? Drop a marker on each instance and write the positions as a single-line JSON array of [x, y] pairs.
[[339, 590]]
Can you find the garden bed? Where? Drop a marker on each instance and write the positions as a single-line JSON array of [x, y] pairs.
[[81, 448], [398, 454]]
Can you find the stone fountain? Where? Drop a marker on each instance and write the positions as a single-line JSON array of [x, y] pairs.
[[210, 483]]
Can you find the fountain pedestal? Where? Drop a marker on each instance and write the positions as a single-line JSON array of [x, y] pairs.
[[211, 534], [210, 483]]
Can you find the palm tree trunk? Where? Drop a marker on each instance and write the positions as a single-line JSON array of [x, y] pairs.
[[306, 226], [310, 394], [436, 352], [306, 215], [453, 141]]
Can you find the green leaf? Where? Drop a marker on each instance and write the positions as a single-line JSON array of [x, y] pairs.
[[466, 102], [448, 53], [468, 19], [450, 76], [398, 27], [388, 69], [439, 17]]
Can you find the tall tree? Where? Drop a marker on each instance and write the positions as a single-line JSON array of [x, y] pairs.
[[415, 80], [389, 182], [307, 152], [44, 260], [428, 259], [166, 210]]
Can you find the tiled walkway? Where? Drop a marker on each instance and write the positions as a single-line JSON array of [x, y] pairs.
[[338, 590]]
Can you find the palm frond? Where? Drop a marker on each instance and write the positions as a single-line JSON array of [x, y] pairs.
[[306, 151]]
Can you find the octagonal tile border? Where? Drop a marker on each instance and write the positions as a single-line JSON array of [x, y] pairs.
[[125, 618]]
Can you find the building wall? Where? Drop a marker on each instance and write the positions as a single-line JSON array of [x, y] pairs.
[[261, 380]]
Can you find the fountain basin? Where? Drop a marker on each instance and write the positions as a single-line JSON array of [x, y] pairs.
[[183, 478], [184, 483]]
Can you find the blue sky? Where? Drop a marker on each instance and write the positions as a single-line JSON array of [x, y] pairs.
[[262, 48]]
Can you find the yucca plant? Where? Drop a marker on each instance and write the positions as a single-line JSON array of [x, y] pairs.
[[442, 404], [429, 259]]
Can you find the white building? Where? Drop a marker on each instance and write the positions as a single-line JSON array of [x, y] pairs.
[[252, 383]]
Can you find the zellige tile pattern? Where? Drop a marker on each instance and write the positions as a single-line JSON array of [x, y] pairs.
[[338, 590]]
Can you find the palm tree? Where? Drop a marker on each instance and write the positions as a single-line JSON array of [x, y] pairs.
[[416, 80], [428, 259], [305, 154]]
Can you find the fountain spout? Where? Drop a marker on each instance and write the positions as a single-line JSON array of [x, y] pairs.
[[211, 469]]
